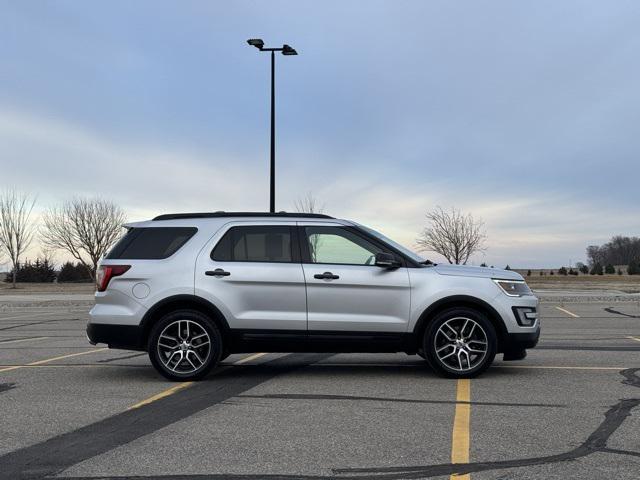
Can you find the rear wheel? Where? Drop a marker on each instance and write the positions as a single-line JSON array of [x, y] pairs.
[[184, 345], [460, 343]]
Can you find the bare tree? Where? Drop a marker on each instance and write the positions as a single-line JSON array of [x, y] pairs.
[[308, 204], [453, 235], [85, 228], [16, 231]]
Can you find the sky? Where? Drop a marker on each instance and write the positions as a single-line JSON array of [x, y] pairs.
[[525, 114]]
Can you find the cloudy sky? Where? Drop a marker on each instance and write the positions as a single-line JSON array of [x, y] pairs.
[[526, 114]]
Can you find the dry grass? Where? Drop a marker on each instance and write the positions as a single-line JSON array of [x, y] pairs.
[[28, 288], [624, 283]]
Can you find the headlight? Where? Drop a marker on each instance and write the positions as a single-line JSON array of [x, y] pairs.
[[514, 288]]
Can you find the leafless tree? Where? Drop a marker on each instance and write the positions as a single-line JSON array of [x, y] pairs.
[[85, 228], [452, 234], [16, 231], [308, 204]]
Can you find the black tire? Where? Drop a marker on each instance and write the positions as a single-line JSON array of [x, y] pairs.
[[196, 320], [441, 367]]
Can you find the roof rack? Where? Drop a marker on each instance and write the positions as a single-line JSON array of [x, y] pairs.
[[176, 216]]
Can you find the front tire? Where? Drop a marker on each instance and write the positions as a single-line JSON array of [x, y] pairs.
[[184, 345], [460, 343]]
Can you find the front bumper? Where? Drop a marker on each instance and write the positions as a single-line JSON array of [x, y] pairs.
[[521, 340], [128, 337]]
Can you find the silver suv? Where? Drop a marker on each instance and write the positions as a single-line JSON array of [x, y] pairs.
[[190, 289]]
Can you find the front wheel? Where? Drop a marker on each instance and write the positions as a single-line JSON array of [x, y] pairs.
[[184, 345], [460, 343]]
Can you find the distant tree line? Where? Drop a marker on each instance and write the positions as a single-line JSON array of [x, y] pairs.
[[619, 250], [43, 271]]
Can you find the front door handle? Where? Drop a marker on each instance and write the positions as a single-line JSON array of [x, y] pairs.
[[218, 272], [326, 276]]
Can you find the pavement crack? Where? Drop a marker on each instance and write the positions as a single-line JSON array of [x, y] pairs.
[[612, 310], [304, 396], [4, 387], [38, 323], [51, 457], [596, 442]]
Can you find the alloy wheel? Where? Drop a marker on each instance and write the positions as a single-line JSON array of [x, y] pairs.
[[184, 346], [461, 344]]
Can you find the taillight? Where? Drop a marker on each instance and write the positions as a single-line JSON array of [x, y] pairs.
[[106, 272]]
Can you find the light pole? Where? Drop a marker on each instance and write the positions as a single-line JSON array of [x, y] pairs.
[[286, 50]]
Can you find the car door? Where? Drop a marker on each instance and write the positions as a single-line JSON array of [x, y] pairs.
[[346, 291], [252, 272]]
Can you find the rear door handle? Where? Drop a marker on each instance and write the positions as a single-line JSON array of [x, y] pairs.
[[326, 276], [218, 272]]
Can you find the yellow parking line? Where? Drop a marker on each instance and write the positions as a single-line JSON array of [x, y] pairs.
[[163, 394], [183, 385], [634, 338], [48, 360], [571, 314], [249, 358], [35, 339], [460, 440]]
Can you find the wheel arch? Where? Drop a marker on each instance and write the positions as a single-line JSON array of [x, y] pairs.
[[460, 301], [182, 302]]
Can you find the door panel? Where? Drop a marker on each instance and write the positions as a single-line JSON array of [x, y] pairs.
[[268, 294], [363, 298], [345, 291]]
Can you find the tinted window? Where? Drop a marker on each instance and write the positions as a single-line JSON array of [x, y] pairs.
[[254, 244], [151, 243], [339, 245]]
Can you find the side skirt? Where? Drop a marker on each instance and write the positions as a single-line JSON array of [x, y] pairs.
[[243, 341]]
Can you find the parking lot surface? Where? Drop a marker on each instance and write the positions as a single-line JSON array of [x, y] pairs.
[[571, 409]]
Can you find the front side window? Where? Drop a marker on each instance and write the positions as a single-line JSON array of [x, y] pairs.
[[339, 246], [254, 244]]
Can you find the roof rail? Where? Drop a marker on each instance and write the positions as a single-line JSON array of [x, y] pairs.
[[176, 216]]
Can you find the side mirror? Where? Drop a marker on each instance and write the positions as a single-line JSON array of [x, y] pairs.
[[386, 260]]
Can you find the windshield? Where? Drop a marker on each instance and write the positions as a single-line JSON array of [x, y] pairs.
[[412, 255]]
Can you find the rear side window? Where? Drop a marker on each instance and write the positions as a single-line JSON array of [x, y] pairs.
[[153, 243], [254, 244]]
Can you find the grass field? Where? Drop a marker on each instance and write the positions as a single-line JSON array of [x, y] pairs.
[[623, 283], [27, 288]]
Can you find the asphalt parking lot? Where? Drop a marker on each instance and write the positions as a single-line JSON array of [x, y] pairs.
[[571, 409]]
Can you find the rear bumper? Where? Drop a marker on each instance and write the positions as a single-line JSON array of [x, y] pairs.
[[128, 337]]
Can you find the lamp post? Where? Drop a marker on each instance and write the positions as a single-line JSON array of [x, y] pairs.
[[286, 50]]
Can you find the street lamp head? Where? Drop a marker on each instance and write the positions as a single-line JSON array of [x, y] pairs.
[[256, 42], [287, 50]]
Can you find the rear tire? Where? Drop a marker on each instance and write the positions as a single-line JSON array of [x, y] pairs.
[[184, 345], [460, 343]]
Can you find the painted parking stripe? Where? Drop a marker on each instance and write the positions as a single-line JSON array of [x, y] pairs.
[[48, 360], [637, 339], [183, 385], [163, 394], [249, 358], [460, 439], [571, 314]]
